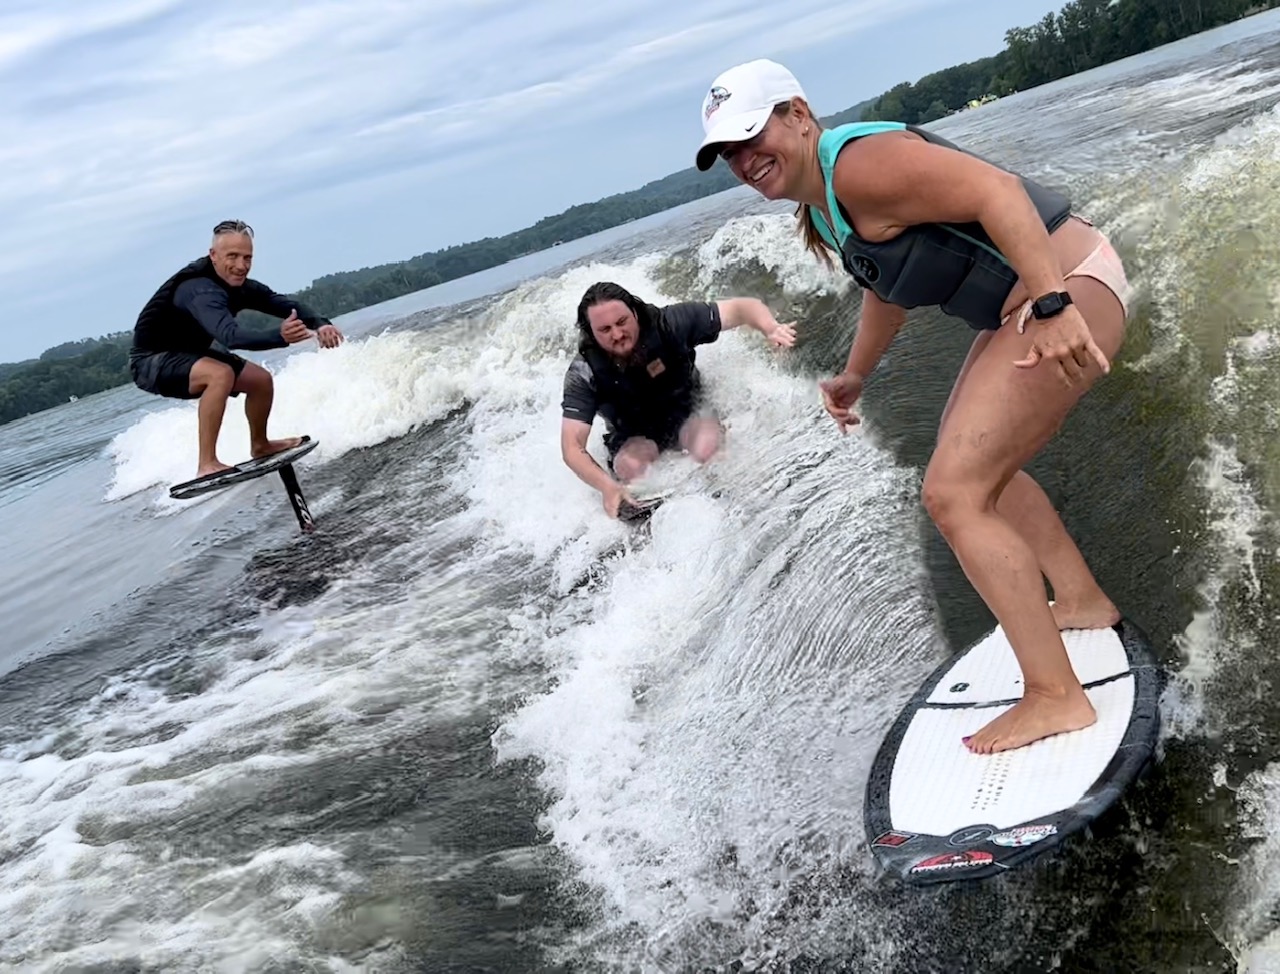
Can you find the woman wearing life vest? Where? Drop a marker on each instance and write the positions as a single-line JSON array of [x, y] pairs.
[[918, 222]]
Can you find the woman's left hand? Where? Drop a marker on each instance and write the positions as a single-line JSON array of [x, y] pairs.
[[1063, 340]]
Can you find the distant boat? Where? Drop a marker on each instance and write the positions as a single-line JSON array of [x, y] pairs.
[[986, 99], [73, 398]]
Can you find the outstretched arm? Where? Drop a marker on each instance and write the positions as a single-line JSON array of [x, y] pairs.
[[573, 449], [753, 313], [877, 327], [259, 297], [578, 411]]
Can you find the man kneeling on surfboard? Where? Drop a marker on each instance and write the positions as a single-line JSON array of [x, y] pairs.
[[182, 335], [635, 367]]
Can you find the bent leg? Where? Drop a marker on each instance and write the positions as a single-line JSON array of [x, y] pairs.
[[259, 393], [634, 458], [1079, 602], [999, 419], [212, 381], [701, 437]]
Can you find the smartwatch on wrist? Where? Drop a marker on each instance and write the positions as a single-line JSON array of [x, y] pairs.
[[1050, 304]]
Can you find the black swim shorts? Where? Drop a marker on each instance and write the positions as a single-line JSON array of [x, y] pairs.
[[169, 373]]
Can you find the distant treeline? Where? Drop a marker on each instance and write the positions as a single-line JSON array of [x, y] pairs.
[[335, 294], [78, 368], [1082, 35]]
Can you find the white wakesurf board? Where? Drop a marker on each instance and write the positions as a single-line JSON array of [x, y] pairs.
[[935, 812]]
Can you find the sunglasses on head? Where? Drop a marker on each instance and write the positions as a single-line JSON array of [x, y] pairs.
[[233, 226]]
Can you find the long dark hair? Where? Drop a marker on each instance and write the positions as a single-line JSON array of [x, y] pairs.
[[602, 291]]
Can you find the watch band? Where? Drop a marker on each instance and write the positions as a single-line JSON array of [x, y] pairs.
[[1050, 305]]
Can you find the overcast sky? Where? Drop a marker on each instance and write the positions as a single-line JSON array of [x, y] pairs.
[[355, 132]]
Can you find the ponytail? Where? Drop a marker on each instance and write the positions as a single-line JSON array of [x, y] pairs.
[[814, 242]]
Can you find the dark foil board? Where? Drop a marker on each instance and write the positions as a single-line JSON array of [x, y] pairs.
[[241, 472]]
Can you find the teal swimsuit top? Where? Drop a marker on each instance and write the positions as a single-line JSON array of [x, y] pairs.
[[955, 267]]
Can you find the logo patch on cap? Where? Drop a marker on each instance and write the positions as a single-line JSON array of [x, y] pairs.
[[716, 97]]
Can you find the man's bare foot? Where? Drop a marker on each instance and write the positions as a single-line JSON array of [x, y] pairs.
[[1033, 717], [268, 447], [1101, 614], [209, 469]]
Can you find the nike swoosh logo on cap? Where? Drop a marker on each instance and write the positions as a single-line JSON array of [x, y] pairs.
[[750, 127]]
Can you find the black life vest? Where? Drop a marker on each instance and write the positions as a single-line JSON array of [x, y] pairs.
[[654, 392], [955, 267]]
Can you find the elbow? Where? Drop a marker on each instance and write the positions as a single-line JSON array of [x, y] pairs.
[[1006, 191], [737, 312], [568, 448], [879, 314], [1010, 183]]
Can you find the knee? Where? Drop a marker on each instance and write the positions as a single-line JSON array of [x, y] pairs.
[[703, 439], [704, 447], [253, 378], [629, 467], [950, 498], [216, 378], [634, 458]]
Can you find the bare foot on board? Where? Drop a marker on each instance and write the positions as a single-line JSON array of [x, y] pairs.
[[1033, 717], [209, 469], [267, 447], [1101, 614]]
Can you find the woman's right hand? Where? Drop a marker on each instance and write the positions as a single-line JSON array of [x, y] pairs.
[[839, 396]]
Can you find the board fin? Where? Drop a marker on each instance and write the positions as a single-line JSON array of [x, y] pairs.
[[303, 513]]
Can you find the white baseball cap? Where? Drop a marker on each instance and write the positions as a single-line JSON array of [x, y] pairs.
[[739, 103]]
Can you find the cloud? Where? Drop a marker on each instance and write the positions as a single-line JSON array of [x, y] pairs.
[[28, 30], [125, 116]]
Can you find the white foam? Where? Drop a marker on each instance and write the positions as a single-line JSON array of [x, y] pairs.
[[1210, 642], [709, 691], [364, 392], [1254, 937], [1240, 149], [1201, 261], [770, 241], [1199, 252], [97, 856]]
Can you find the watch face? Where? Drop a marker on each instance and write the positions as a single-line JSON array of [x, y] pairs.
[[1048, 305]]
